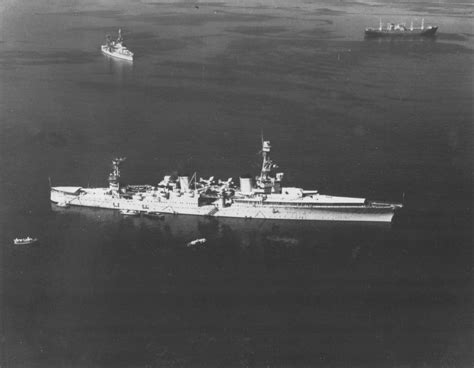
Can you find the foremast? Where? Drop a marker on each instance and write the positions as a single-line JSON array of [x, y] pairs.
[[114, 176], [111, 45], [265, 182], [119, 38]]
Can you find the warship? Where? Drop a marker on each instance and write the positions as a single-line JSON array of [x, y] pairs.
[[262, 197], [117, 48], [25, 241], [393, 29]]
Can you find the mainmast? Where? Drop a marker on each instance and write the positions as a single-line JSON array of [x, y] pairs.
[[114, 176], [267, 164], [119, 38], [265, 182]]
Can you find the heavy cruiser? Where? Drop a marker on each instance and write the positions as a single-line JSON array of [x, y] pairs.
[[117, 48], [263, 197], [396, 30]]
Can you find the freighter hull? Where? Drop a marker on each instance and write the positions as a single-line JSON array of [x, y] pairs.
[[99, 198], [427, 32]]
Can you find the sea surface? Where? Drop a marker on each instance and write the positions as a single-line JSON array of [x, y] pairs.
[[382, 119]]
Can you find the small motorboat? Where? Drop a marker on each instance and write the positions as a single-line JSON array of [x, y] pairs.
[[129, 212], [195, 242], [287, 241], [24, 241], [63, 204], [156, 215]]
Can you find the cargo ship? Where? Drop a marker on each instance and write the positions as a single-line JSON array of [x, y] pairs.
[[262, 197], [402, 30], [117, 48]]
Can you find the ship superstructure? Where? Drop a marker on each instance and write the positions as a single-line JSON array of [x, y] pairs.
[[400, 29], [261, 197], [117, 48]]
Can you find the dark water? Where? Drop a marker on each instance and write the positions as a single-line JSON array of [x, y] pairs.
[[345, 115]]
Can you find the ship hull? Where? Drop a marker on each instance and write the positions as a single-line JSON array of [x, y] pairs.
[[427, 32], [116, 55], [319, 213], [99, 198], [25, 242]]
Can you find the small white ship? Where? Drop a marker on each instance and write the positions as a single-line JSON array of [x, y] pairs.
[[117, 48], [263, 197], [24, 241], [129, 212], [195, 242]]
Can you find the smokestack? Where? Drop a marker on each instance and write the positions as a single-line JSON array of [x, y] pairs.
[[246, 186], [184, 183]]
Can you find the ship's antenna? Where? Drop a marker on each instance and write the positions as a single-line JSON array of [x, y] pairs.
[[380, 23], [49, 180]]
